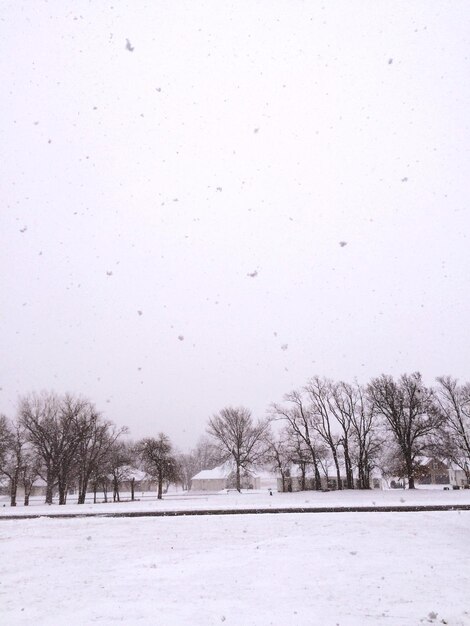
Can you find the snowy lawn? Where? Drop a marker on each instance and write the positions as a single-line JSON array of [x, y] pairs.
[[394, 569], [179, 500]]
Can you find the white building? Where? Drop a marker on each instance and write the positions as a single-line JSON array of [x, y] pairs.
[[224, 477]]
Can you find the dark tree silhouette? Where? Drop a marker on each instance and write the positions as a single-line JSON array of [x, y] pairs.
[[410, 415], [238, 438]]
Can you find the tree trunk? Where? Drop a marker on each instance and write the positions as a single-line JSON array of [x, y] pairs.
[[13, 490], [62, 493], [160, 486], [361, 470], [366, 470], [82, 489], [132, 489], [239, 487], [49, 490], [26, 498], [116, 496], [317, 476], [348, 465], [338, 472], [303, 477], [410, 473]]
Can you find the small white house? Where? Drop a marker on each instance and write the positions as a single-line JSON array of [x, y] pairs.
[[457, 477], [224, 477]]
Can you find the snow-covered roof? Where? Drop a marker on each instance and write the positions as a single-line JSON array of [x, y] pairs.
[[137, 474], [222, 471]]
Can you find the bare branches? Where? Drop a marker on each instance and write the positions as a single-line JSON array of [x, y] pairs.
[[69, 436], [238, 437], [410, 415], [158, 459], [453, 405], [300, 420]]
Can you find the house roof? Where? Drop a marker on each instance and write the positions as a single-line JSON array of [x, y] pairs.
[[224, 471], [220, 472]]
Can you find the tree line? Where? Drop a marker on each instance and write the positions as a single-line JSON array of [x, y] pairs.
[[324, 429], [66, 442], [346, 430]]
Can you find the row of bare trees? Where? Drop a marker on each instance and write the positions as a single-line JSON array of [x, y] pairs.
[[66, 442], [324, 428], [61, 439], [349, 429]]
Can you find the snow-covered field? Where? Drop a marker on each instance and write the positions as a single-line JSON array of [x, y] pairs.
[[179, 500], [395, 569]]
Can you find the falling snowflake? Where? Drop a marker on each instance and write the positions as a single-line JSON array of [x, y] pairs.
[[253, 274], [181, 337], [284, 346], [109, 273], [129, 46], [343, 243], [24, 229], [390, 61], [140, 312]]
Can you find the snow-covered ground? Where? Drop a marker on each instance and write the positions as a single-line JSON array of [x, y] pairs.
[[398, 569], [180, 500]]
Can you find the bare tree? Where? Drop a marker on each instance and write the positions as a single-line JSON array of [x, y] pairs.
[[204, 456], [96, 442], [158, 459], [17, 461], [238, 437], [342, 408], [300, 420], [453, 402], [11, 453], [360, 440], [30, 470], [72, 428], [277, 455], [56, 426], [40, 416], [5, 437], [119, 465], [409, 412], [320, 394]]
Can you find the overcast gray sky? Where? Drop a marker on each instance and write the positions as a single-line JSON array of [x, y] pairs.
[[207, 203]]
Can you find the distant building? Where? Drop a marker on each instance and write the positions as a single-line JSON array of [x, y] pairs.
[[224, 477], [436, 472], [328, 482]]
